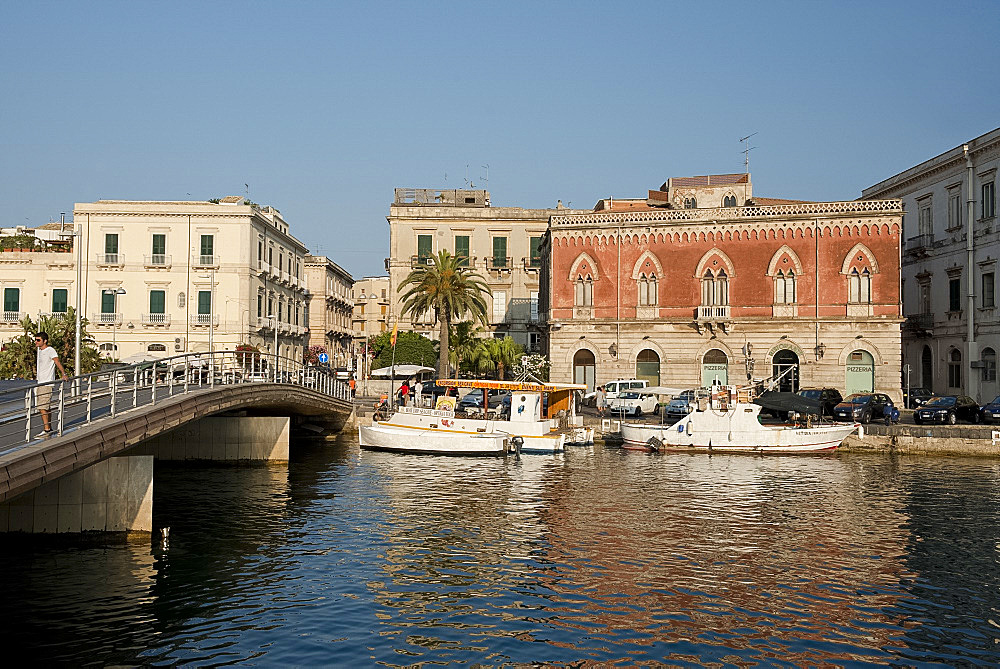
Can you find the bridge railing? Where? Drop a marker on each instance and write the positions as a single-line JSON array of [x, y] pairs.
[[38, 410]]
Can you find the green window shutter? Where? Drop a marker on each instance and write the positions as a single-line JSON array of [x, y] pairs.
[[159, 245], [157, 302], [204, 301], [424, 246], [60, 301], [462, 250], [111, 243], [108, 303], [208, 245], [499, 251], [11, 299], [535, 257]]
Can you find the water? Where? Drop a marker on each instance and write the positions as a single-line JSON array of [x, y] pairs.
[[602, 556]]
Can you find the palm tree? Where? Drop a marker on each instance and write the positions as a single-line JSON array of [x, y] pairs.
[[447, 290], [464, 338], [496, 355]]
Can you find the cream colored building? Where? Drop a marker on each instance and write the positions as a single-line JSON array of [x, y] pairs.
[[952, 331], [170, 277], [371, 315], [330, 309], [500, 243]]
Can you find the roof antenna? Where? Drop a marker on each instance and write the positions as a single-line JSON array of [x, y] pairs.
[[746, 152], [486, 179]]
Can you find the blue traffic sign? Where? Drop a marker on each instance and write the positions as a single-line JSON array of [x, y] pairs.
[[323, 357]]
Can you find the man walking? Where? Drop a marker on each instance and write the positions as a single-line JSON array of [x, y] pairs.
[[354, 387], [46, 361], [599, 400]]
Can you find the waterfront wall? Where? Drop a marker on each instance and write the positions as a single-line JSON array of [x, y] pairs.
[[969, 440], [230, 438]]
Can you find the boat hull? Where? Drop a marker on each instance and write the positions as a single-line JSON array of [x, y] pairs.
[[377, 437]]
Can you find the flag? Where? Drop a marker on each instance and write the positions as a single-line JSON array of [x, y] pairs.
[[392, 337]]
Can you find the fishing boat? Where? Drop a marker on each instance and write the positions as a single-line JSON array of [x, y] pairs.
[[727, 421], [541, 419]]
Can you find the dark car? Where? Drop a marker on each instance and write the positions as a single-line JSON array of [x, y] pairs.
[[991, 411], [915, 397], [828, 397], [948, 409], [862, 407]]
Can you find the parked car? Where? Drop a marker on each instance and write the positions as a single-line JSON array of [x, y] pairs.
[[916, 397], [828, 397], [679, 407], [613, 388], [991, 411], [473, 400], [948, 409], [632, 403], [862, 407]]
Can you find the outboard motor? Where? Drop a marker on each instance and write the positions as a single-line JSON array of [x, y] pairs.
[[517, 443]]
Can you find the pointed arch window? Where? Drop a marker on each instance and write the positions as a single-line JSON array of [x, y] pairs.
[[859, 286], [729, 201], [715, 288], [784, 287], [584, 291], [690, 203], [647, 290], [955, 368]]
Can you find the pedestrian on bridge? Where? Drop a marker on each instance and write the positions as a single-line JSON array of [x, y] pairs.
[[354, 387], [46, 362]]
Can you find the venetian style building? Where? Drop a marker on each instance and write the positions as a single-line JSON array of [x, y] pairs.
[[169, 277], [500, 243], [952, 329], [701, 282], [330, 306]]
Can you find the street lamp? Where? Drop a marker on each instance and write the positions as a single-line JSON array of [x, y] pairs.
[[114, 322], [274, 325]]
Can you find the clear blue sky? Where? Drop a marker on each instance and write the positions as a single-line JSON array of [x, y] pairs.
[[323, 108]]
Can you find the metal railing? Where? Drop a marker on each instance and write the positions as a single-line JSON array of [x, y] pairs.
[[156, 319], [204, 319], [106, 318], [13, 316], [67, 405], [156, 260], [110, 258]]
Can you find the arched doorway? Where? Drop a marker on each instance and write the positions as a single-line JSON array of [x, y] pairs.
[[714, 368], [584, 365], [785, 367], [860, 372], [927, 369], [647, 366]]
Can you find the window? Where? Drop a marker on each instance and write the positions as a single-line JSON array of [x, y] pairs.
[[647, 290], [204, 302], [988, 207], [784, 287], [260, 305], [157, 301], [584, 296], [260, 251], [462, 250], [499, 305], [729, 201], [108, 299], [955, 368], [159, 246], [499, 252], [111, 243], [989, 365], [533, 304], [925, 222], [954, 209], [208, 245], [955, 294], [715, 288], [534, 254], [270, 255], [690, 203], [989, 297], [12, 300], [424, 247], [925, 296], [859, 286], [60, 301]]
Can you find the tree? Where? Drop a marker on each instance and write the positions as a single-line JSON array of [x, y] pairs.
[[497, 356], [17, 359], [448, 291], [464, 338], [411, 349], [310, 356]]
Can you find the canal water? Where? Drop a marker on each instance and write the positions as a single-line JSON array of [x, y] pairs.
[[601, 556]]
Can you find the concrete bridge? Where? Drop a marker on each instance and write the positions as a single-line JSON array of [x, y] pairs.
[[95, 472]]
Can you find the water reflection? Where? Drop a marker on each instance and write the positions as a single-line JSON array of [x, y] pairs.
[[599, 556]]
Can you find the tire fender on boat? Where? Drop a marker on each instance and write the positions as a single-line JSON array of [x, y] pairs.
[[688, 428]]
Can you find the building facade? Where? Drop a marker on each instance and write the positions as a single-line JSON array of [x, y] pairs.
[[371, 316], [730, 289], [169, 277], [330, 308], [499, 243], [952, 331]]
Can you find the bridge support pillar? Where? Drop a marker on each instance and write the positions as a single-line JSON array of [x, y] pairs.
[[113, 495], [223, 438]]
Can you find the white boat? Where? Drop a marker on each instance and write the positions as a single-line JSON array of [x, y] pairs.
[[728, 421], [524, 429]]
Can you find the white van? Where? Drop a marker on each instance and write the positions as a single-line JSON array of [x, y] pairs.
[[613, 389]]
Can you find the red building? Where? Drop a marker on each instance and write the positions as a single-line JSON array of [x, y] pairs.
[[702, 282]]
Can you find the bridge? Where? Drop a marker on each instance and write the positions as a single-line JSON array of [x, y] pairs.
[[93, 471]]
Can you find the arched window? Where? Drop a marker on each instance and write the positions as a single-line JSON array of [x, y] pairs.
[[784, 287], [647, 290], [584, 291], [989, 365], [647, 366], [955, 368], [708, 289], [729, 201], [722, 288], [859, 286], [690, 203], [715, 288], [584, 364]]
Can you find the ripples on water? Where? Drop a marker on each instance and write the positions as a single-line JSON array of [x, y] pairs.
[[601, 556]]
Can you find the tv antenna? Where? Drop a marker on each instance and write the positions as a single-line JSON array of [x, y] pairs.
[[746, 152], [486, 179]]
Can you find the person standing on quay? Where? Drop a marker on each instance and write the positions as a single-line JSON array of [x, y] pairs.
[[599, 400], [353, 385], [46, 362]]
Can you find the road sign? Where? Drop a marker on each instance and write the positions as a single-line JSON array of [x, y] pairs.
[[324, 358]]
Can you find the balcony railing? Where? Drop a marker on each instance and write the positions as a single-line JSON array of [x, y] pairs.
[[920, 321], [13, 317], [205, 261], [204, 319], [110, 258], [498, 263], [262, 267], [106, 319], [715, 312], [920, 243], [156, 260], [532, 264], [156, 319]]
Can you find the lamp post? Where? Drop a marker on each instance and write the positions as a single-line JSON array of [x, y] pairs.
[[78, 242], [114, 322], [274, 326]]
